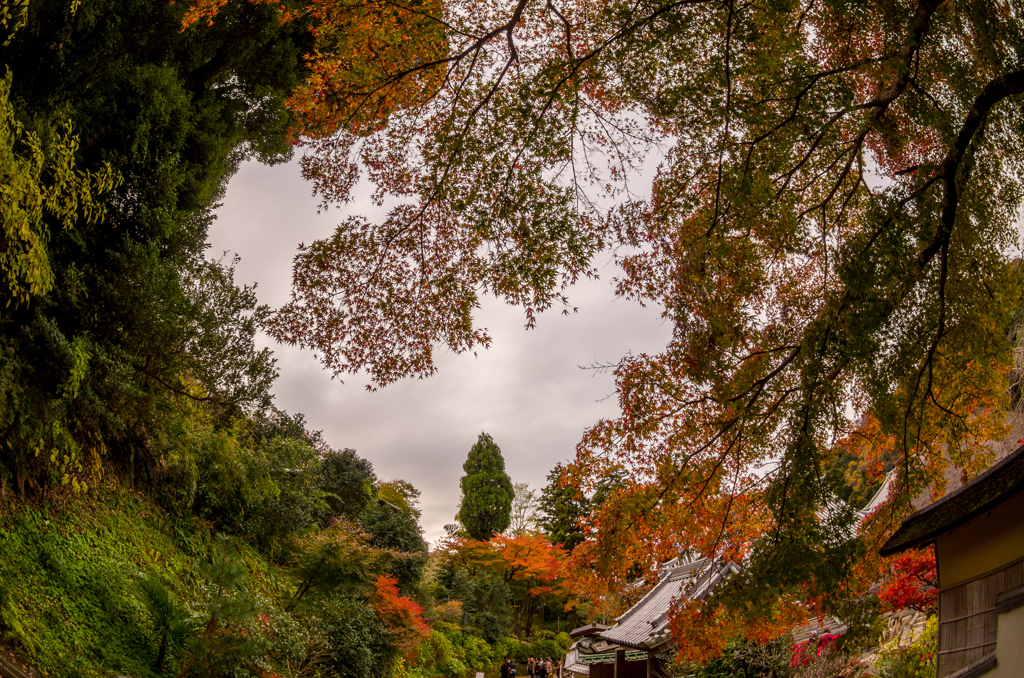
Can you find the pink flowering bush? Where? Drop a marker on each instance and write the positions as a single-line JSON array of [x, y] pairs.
[[808, 650]]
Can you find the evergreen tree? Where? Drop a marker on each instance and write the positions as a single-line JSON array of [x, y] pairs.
[[487, 492], [563, 506]]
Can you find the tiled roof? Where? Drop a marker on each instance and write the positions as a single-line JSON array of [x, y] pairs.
[[645, 625], [572, 662], [587, 630], [880, 496]]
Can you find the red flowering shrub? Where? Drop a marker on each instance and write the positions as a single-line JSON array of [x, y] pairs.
[[810, 649]]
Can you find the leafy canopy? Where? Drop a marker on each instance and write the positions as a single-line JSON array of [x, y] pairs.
[[827, 231]]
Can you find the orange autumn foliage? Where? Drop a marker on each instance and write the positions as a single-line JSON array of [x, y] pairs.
[[813, 311], [529, 560], [367, 60]]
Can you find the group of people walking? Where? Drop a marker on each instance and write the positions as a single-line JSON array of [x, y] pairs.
[[535, 668]]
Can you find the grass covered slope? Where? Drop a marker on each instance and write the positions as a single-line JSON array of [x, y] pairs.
[[70, 571]]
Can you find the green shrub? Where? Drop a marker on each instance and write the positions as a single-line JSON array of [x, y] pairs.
[[229, 640], [437, 656], [360, 646], [478, 654], [544, 644], [507, 647], [914, 661]]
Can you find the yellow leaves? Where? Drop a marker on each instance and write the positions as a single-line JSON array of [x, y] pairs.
[[13, 15], [35, 188]]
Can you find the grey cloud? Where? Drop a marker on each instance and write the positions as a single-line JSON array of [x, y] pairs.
[[526, 391]]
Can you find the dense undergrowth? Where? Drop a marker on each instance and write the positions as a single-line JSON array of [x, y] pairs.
[[110, 581], [70, 572]]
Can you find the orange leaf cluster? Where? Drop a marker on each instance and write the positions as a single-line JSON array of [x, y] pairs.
[[403, 616]]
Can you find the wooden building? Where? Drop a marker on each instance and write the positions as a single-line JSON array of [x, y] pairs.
[[640, 644], [978, 532]]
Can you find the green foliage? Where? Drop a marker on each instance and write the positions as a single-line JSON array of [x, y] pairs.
[[508, 647], [267, 490], [125, 355], [333, 561], [104, 583], [745, 659], [360, 644], [228, 642], [486, 491], [564, 507], [219, 337], [400, 493], [70, 578], [544, 644], [347, 481], [397, 530], [214, 475], [449, 652], [918, 660], [476, 653], [299, 502], [37, 187], [485, 601], [437, 656], [121, 275], [169, 617]]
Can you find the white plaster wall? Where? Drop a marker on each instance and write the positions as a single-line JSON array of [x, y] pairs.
[[1009, 645]]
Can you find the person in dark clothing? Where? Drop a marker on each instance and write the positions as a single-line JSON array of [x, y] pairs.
[[531, 668], [540, 670], [506, 669]]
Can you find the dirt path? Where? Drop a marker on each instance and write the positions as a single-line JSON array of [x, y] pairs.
[[11, 666]]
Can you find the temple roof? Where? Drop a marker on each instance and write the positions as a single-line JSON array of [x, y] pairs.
[[645, 625], [588, 630]]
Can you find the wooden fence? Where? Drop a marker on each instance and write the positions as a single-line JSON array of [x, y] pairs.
[[967, 616]]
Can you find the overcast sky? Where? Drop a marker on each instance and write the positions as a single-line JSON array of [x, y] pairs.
[[527, 390]]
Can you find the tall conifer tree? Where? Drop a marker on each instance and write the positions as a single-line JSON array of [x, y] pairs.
[[486, 491], [564, 507]]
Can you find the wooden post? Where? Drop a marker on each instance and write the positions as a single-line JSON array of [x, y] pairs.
[[620, 663], [653, 670]]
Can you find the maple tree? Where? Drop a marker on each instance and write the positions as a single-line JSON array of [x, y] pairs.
[[403, 615], [350, 68], [828, 230], [532, 566], [913, 581]]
